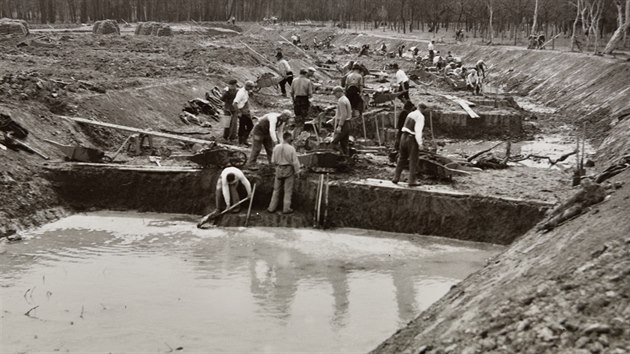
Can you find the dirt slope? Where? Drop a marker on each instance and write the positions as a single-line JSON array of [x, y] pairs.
[[566, 291]]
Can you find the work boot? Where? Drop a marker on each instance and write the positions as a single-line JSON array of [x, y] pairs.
[[290, 211], [395, 181]]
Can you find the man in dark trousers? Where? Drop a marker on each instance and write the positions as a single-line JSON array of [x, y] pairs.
[[342, 119], [287, 169], [410, 144], [227, 193], [285, 71], [241, 105], [265, 134], [301, 92], [407, 108], [228, 96], [354, 87]]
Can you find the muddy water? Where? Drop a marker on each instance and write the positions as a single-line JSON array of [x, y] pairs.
[[113, 282]]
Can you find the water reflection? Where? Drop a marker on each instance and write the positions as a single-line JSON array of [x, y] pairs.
[[241, 290]]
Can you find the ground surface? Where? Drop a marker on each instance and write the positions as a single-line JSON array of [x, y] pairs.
[[145, 81], [564, 290]]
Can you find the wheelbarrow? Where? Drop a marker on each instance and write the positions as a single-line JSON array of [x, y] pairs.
[[78, 153]]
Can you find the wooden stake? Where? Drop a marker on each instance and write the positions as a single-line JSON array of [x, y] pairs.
[[431, 124], [251, 201], [326, 201], [378, 135], [364, 130]]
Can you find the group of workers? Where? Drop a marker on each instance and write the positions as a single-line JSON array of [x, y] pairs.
[[269, 132]]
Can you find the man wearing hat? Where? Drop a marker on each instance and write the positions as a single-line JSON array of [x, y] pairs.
[[264, 134], [285, 71], [301, 92], [241, 105], [229, 93]]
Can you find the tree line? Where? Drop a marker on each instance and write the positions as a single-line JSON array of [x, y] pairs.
[[592, 18]]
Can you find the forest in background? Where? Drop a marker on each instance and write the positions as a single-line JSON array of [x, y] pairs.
[[591, 19]]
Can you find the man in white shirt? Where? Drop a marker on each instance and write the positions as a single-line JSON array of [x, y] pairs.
[[227, 192], [264, 134], [343, 115], [473, 82], [284, 69], [410, 144], [241, 104], [431, 50], [403, 85]]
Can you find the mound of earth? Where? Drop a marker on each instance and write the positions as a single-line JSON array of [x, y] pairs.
[[10, 26], [153, 29], [106, 27]]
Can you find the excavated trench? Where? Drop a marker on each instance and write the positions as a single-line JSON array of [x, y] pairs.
[[366, 204]]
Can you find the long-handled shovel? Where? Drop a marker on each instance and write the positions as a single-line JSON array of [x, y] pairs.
[[213, 216]]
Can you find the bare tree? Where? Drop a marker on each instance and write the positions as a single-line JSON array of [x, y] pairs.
[[622, 26], [535, 24]]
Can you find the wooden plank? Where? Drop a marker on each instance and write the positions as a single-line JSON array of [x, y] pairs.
[[148, 132], [464, 104]]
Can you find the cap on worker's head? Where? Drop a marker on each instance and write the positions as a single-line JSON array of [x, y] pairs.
[[356, 66], [232, 82], [422, 106], [230, 177], [311, 69], [337, 89], [249, 84], [303, 72], [286, 113], [279, 55]]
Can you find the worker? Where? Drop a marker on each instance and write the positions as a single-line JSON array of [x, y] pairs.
[[400, 50], [301, 93], [241, 105], [342, 121], [407, 108], [354, 87], [473, 82], [229, 93], [449, 69], [410, 144], [449, 57], [364, 50], [415, 51], [284, 69], [264, 134], [287, 169], [230, 181], [403, 84], [310, 74], [431, 48], [383, 48], [481, 68]]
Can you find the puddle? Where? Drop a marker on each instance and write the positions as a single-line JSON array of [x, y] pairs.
[[553, 145], [113, 282]]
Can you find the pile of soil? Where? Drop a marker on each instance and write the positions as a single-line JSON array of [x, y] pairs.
[[153, 29], [10, 26], [106, 27]]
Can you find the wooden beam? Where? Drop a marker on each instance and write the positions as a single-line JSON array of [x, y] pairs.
[[149, 132]]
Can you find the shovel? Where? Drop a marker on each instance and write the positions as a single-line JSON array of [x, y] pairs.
[[213, 216]]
